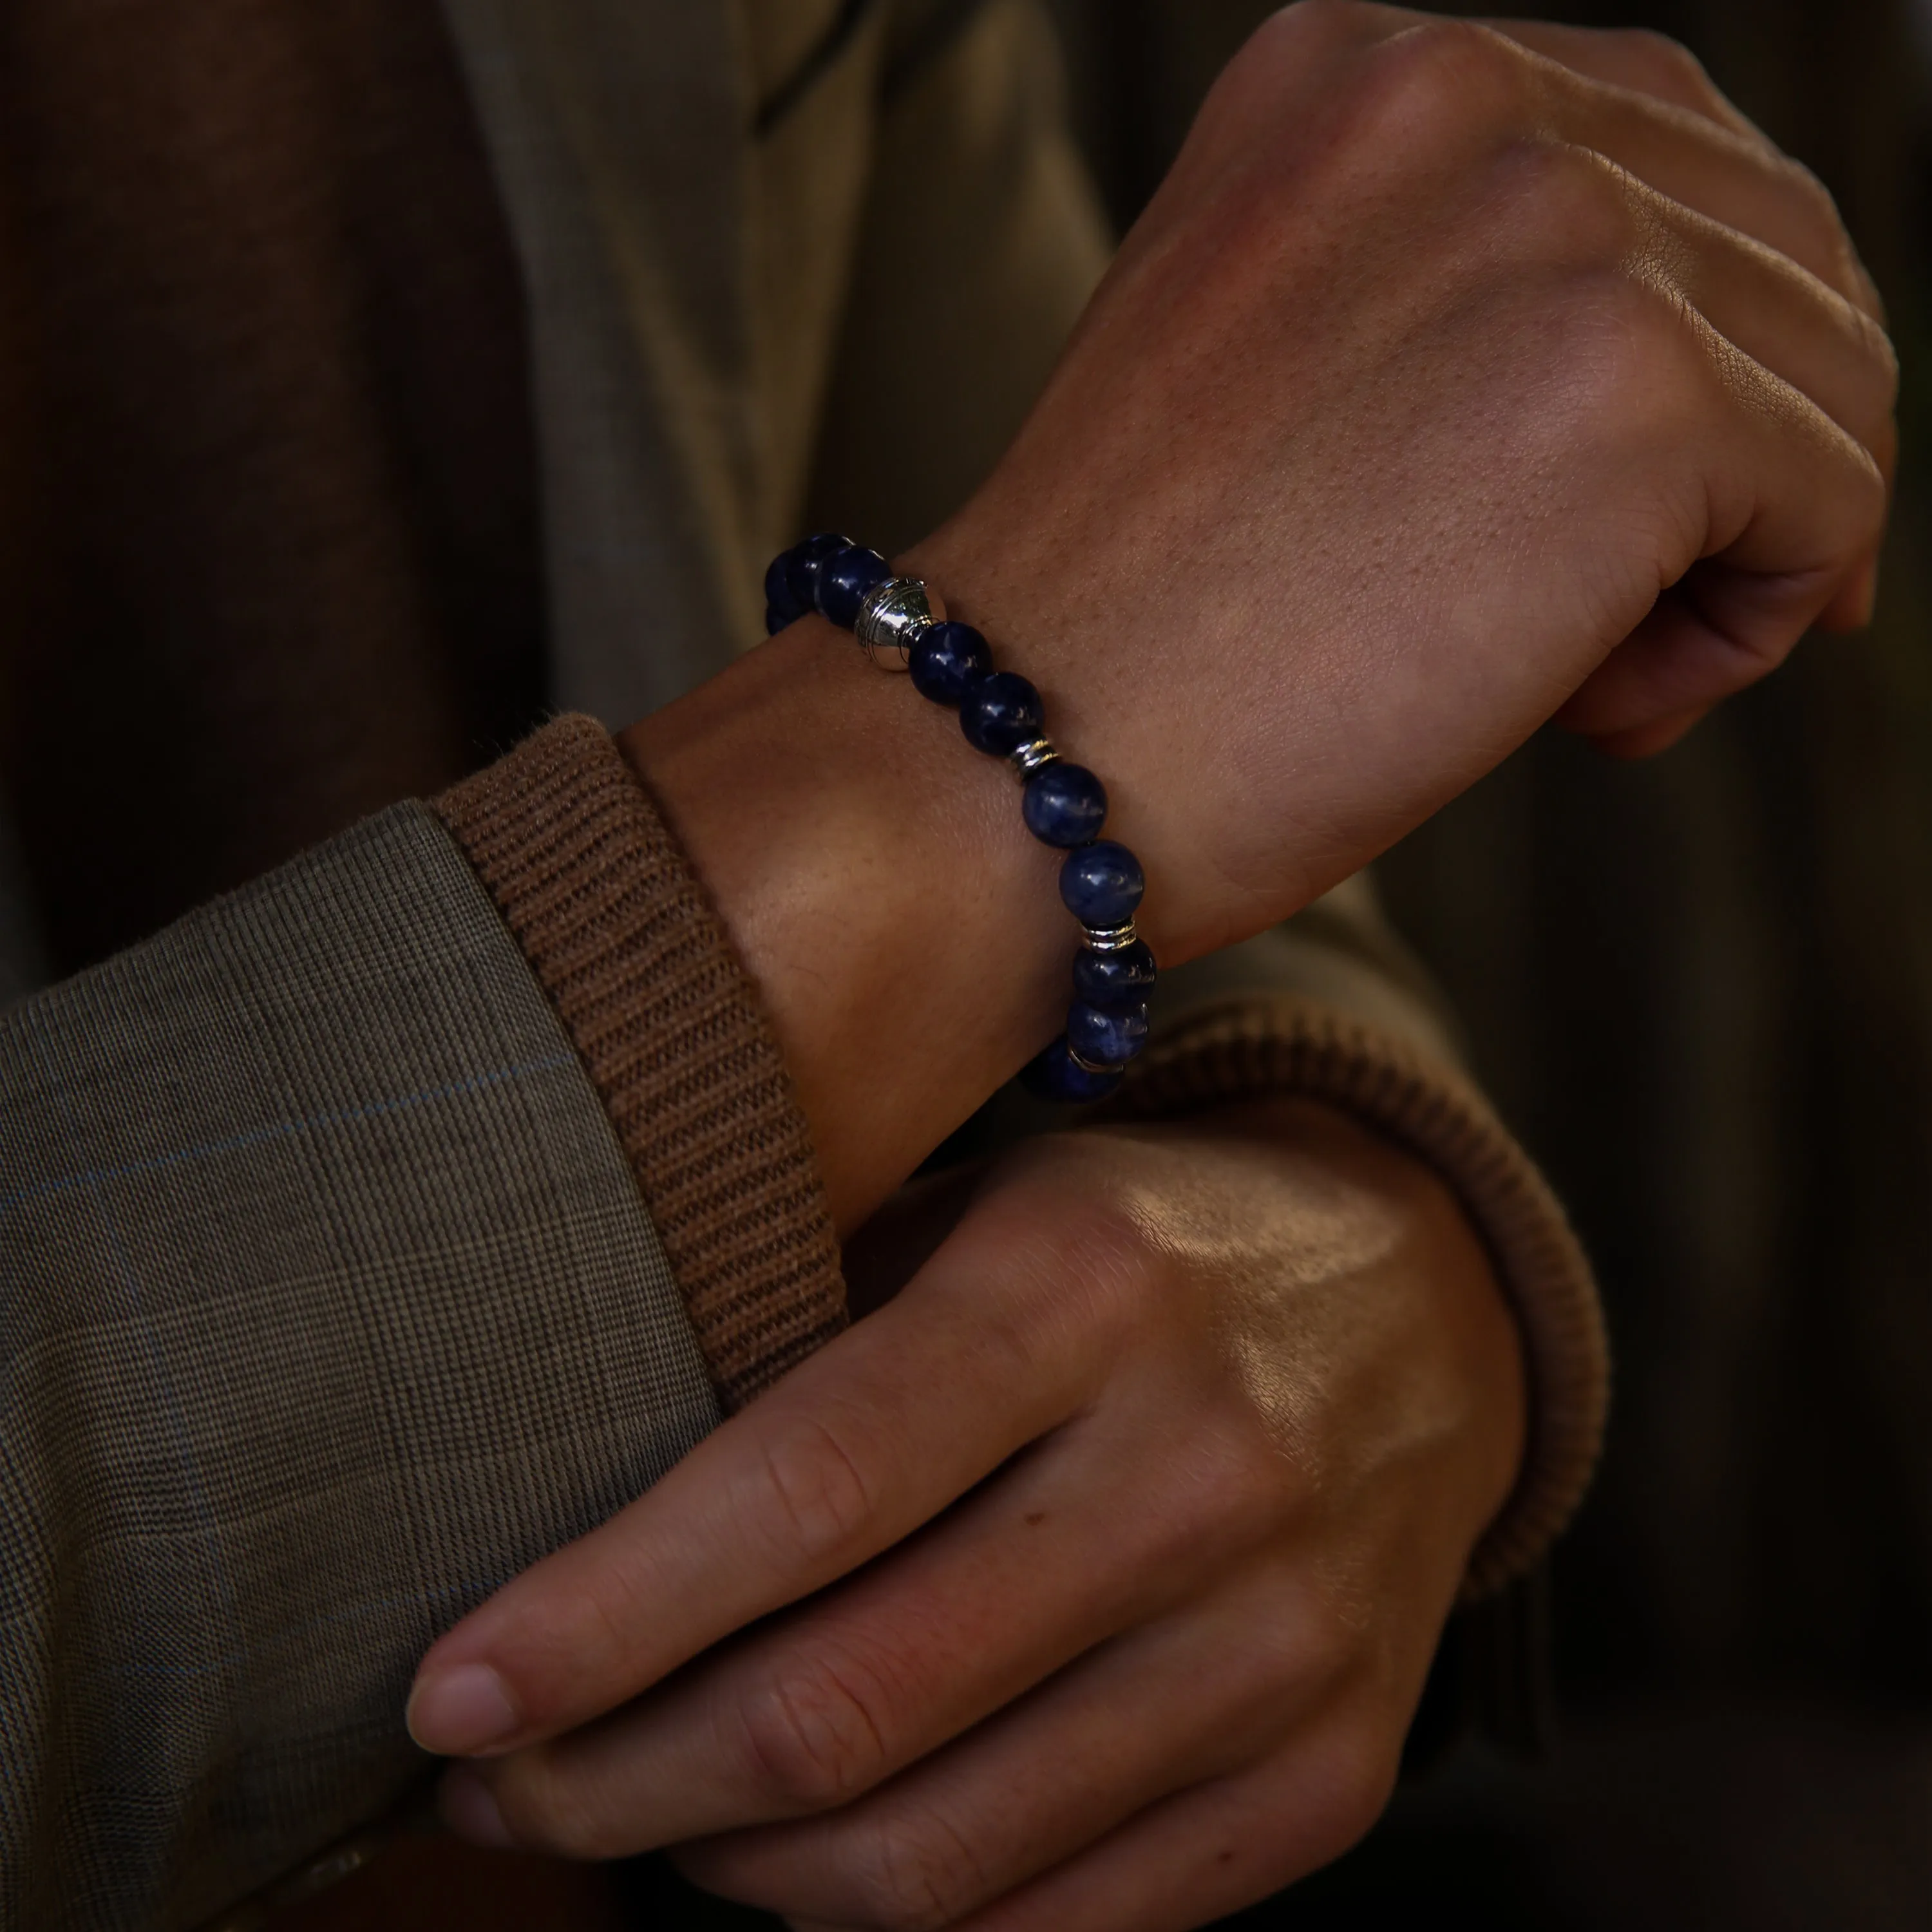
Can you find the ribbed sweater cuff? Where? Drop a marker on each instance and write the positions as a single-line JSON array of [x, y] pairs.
[[1274, 1043], [668, 1025]]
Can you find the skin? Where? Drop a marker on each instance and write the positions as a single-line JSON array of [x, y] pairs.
[[1455, 379]]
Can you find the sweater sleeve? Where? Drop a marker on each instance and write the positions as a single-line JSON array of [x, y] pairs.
[[670, 1031]]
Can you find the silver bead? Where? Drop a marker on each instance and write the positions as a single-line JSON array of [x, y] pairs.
[[1090, 1066], [1111, 938], [892, 614], [1029, 758]]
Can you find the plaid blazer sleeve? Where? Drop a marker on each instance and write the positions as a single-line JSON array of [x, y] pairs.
[[328, 1302]]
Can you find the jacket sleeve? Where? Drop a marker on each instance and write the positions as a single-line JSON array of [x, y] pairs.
[[331, 1298]]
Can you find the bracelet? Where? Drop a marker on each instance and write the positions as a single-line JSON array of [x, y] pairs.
[[901, 626]]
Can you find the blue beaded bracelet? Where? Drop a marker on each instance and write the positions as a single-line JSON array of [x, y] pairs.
[[898, 622]]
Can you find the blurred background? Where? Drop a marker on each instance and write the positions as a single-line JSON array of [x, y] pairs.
[[1701, 989]]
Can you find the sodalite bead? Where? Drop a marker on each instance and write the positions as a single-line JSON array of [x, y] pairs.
[[843, 578], [1107, 1038], [1053, 1076], [999, 713], [792, 579], [1063, 805], [947, 660], [781, 606], [1115, 979], [798, 572], [1101, 883]]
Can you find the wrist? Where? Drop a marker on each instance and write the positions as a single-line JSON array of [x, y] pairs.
[[1139, 715], [872, 873]]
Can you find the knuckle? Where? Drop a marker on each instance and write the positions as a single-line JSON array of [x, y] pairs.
[[1105, 1244], [1442, 79], [1331, 1644], [917, 1873], [1355, 1787], [1884, 452], [1231, 1495], [823, 1499], [1675, 67], [1881, 354], [810, 1738], [1565, 202], [544, 1810], [1822, 225], [1869, 508], [1811, 194], [1635, 358], [1088, 1261], [1320, 20]]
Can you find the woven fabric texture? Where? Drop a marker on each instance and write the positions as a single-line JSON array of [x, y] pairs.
[[615, 924], [1262, 1044], [327, 1304]]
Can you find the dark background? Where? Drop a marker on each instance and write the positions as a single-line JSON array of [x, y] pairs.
[[1701, 991]]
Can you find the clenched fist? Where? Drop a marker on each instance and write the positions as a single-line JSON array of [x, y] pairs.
[[1456, 375]]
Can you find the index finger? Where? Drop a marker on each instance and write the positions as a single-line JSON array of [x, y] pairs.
[[857, 1448]]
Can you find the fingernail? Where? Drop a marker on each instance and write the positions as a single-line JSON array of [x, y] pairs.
[[469, 1808], [460, 1711]]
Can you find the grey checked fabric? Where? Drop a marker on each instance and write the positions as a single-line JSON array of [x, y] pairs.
[[327, 1303]]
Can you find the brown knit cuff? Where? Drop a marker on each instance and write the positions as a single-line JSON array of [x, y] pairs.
[[668, 1023], [1276, 1043]]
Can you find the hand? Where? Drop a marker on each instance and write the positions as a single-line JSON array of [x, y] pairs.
[[1452, 368], [1119, 1543], [1455, 376]]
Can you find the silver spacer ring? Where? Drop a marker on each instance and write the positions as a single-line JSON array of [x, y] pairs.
[[1092, 1066], [1111, 938], [891, 615], [1030, 758]]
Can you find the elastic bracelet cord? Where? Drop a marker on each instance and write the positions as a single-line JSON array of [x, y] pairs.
[[900, 625]]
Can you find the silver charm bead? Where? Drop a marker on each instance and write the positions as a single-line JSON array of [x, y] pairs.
[[1029, 758], [892, 615], [1111, 938], [1091, 1066]]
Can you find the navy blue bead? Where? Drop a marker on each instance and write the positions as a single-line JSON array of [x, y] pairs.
[[1053, 1076], [1101, 883], [1114, 979], [1108, 1038], [783, 605], [1063, 805], [1000, 713], [946, 659], [801, 564], [843, 578]]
